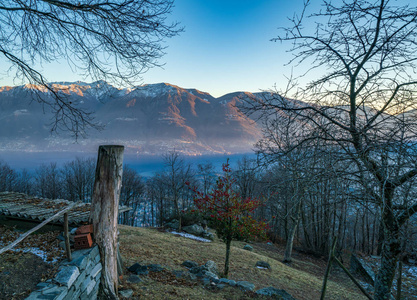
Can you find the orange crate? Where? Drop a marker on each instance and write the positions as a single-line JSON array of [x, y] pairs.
[[83, 241], [85, 229]]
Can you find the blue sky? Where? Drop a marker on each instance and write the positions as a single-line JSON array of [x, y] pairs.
[[225, 47]]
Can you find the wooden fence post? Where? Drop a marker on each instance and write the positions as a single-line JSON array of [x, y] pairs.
[[332, 258], [352, 278], [104, 214], [329, 266], [66, 236]]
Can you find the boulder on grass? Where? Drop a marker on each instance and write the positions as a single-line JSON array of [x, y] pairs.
[[248, 247], [208, 235], [134, 279], [227, 281], [174, 224], [211, 267], [189, 264], [245, 286], [138, 269], [155, 268], [194, 229], [200, 271], [262, 265], [213, 277]]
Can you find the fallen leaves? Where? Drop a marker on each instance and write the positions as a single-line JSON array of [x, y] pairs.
[[45, 244]]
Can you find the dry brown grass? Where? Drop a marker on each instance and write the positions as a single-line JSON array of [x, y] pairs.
[[144, 245]]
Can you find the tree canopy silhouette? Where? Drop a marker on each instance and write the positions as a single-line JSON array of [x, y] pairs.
[[360, 102], [116, 41]]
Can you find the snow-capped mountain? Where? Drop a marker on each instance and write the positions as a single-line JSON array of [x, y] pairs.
[[152, 118]]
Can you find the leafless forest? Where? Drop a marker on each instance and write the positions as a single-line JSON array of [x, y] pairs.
[[305, 201]]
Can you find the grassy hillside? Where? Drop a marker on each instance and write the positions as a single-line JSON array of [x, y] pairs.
[[302, 279]]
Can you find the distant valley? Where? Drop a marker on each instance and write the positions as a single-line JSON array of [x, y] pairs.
[[149, 119]]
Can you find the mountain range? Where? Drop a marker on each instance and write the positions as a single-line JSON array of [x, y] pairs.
[[149, 119]]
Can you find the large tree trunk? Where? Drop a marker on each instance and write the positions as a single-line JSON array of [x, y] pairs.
[[104, 214], [290, 239], [290, 242], [226, 263], [380, 238], [389, 257]]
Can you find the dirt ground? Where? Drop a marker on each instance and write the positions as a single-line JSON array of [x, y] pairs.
[[21, 271]]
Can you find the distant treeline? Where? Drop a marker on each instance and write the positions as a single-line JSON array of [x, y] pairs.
[[304, 201]]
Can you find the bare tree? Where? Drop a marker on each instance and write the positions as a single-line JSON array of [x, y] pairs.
[[207, 176], [296, 172], [78, 179], [8, 178], [157, 194], [49, 181], [115, 41], [362, 104], [25, 182], [246, 177], [133, 189], [294, 165], [175, 177]]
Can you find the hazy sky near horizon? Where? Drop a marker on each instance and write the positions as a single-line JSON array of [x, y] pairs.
[[225, 47]]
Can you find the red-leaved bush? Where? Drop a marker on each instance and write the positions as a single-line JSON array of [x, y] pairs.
[[228, 213]]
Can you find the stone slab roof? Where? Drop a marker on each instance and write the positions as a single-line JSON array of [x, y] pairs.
[[22, 206]]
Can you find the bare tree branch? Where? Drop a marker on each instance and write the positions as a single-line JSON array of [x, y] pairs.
[[361, 106], [116, 41]]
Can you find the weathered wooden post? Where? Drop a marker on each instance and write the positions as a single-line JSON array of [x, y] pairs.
[[332, 258], [329, 266], [104, 213], [66, 236]]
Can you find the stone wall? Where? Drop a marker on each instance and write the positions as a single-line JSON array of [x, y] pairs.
[[77, 279]]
